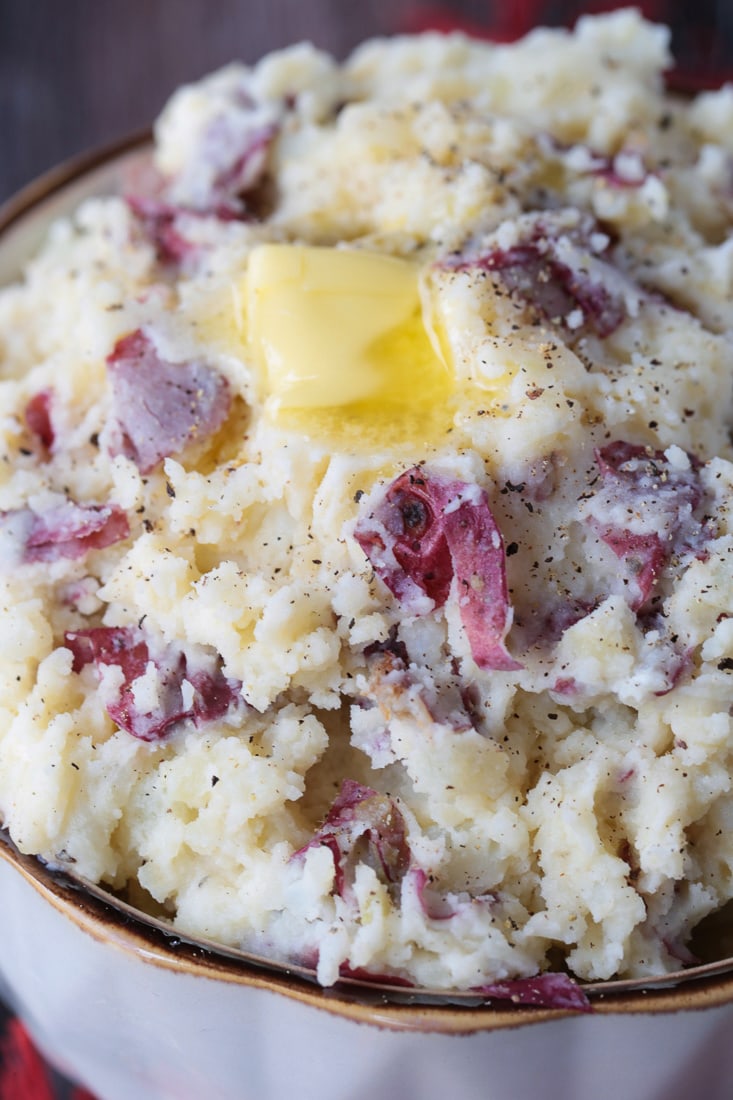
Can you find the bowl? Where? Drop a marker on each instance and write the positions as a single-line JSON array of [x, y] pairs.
[[120, 1002]]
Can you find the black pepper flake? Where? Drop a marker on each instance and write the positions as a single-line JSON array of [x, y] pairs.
[[94, 439], [552, 717], [169, 489], [358, 495], [511, 549], [214, 780], [726, 665]]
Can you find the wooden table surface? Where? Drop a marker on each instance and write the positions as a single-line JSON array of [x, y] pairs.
[[75, 74]]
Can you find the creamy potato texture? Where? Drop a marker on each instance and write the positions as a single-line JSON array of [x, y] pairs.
[[365, 533]]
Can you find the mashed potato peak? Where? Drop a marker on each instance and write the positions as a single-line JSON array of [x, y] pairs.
[[366, 553]]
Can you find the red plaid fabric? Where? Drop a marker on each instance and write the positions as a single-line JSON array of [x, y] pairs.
[[24, 1075]]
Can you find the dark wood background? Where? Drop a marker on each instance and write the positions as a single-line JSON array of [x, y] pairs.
[[75, 74]]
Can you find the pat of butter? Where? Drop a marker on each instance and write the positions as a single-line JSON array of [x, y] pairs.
[[335, 327]]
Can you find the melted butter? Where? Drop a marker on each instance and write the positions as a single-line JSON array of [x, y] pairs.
[[219, 316], [347, 348]]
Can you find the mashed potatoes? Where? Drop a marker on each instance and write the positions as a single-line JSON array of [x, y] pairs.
[[365, 514]]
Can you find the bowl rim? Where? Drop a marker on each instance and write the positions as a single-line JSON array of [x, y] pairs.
[[99, 915], [397, 1010]]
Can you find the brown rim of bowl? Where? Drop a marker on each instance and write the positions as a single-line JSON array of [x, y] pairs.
[[69, 171], [110, 921], [396, 1010]]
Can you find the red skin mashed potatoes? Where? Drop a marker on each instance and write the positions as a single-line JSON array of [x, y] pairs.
[[365, 538]]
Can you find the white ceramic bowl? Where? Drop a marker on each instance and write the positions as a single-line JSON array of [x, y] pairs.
[[132, 1012]]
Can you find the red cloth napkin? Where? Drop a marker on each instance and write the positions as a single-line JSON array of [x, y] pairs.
[[24, 1075]]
